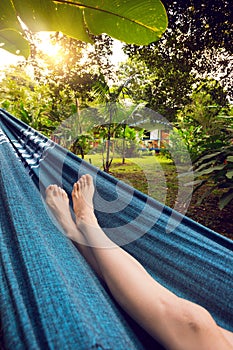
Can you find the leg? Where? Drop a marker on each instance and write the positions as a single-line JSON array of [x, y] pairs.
[[175, 322], [58, 201]]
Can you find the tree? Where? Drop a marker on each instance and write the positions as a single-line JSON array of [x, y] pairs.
[[196, 44], [215, 168], [200, 24], [115, 115], [56, 86], [77, 64], [30, 102], [164, 86], [134, 21], [206, 127], [206, 102], [130, 138], [200, 122], [81, 145]]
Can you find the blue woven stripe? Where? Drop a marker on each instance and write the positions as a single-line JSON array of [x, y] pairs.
[[50, 298]]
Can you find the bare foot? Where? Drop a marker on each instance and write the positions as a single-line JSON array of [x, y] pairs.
[[58, 201], [86, 220], [82, 196]]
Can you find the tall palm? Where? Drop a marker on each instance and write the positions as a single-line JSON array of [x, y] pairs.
[[110, 98]]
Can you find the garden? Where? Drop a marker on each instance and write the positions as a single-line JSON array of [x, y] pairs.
[[176, 81]]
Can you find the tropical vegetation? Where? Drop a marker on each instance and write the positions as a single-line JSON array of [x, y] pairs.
[[182, 73]]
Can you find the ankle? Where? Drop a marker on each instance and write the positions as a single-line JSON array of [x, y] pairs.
[[86, 219]]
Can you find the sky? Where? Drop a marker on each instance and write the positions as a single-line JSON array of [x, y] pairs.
[[7, 58], [118, 54]]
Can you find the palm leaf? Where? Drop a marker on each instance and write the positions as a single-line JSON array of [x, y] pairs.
[[226, 199]]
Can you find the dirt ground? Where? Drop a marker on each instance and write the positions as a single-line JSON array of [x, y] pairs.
[[208, 214]]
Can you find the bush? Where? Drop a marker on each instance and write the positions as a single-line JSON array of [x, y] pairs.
[[216, 169]]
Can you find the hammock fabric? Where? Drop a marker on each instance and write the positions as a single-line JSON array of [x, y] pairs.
[[49, 296]]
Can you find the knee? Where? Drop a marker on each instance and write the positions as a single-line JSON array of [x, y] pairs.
[[189, 321], [189, 326], [195, 318]]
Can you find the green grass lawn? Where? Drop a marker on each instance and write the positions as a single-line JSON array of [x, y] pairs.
[[158, 177], [152, 175]]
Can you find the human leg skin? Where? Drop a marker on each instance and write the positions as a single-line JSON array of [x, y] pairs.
[[175, 322], [58, 202]]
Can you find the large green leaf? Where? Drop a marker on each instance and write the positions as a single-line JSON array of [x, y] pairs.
[[45, 15], [11, 37], [14, 42], [132, 21], [8, 17], [136, 21]]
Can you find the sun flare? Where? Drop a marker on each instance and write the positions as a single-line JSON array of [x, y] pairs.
[[48, 47]]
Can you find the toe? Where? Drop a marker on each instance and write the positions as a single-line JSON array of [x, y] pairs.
[[55, 190], [63, 193], [89, 179], [82, 181], [59, 190], [50, 188], [75, 188]]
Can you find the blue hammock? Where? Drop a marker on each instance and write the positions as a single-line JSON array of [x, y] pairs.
[[49, 296]]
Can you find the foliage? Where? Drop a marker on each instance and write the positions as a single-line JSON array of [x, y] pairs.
[[134, 21], [45, 90], [140, 75], [196, 44], [200, 123], [130, 139], [164, 84], [82, 145], [176, 149], [215, 167], [201, 22], [28, 101], [206, 127], [206, 102], [124, 140], [77, 65], [113, 113]]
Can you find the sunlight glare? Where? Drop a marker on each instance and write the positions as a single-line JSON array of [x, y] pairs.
[[47, 46]]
